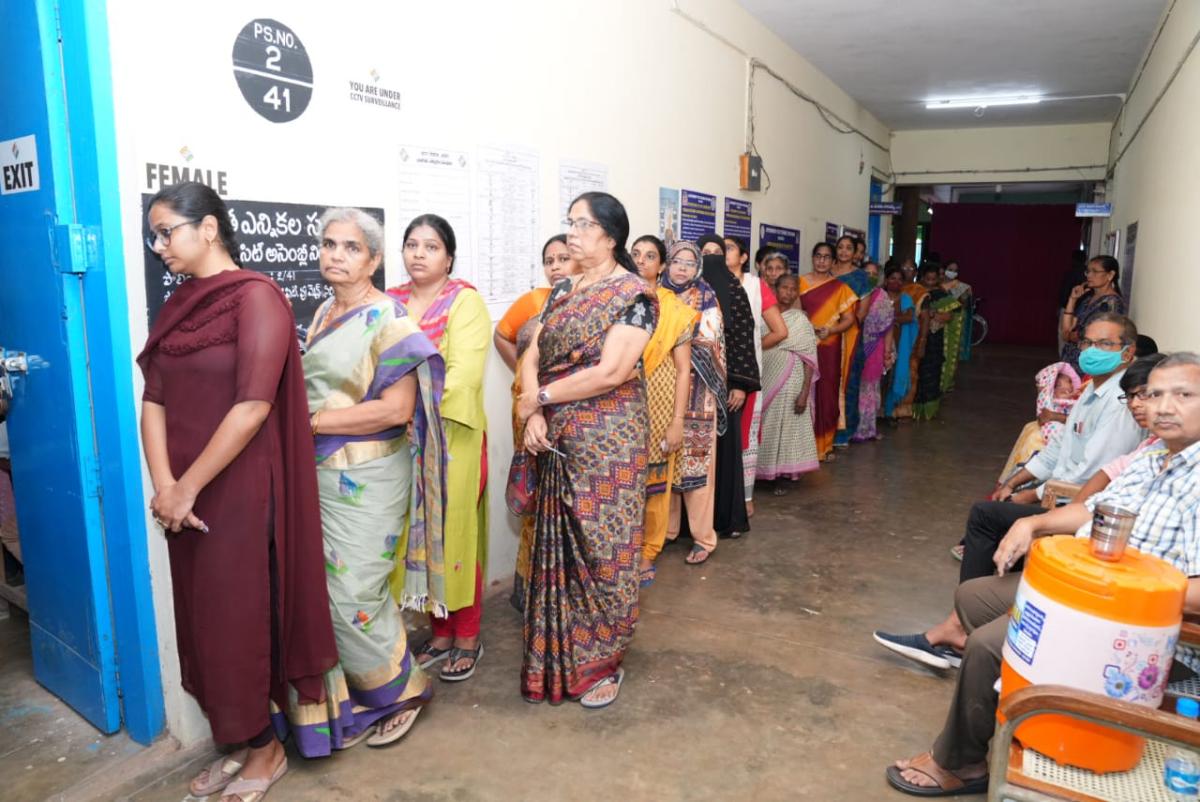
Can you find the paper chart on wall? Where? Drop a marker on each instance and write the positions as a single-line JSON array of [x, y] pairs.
[[576, 177], [506, 212], [438, 180]]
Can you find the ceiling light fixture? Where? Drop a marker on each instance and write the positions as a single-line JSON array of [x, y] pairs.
[[983, 102]]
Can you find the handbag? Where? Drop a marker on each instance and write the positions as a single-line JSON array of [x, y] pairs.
[[521, 492]]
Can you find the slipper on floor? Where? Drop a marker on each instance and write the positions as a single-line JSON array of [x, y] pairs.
[[696, 551], [435, 654], [224, 769], [646, 576], [612, 679], [448, 674], [255, 790], [381, 738], [948, 784], [355, 740], [957, 551]]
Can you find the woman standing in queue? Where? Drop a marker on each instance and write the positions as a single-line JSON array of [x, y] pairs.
[[730, 516], [846, 270], [667, 362], [958, 330], [769, 331], [906, 327], [374, 386], [512, 337], [830, 306], [584, 408], [876, 354], [706, 417], [931, 351], [234, 490], [919, 296], [453, 315], [789, 449]]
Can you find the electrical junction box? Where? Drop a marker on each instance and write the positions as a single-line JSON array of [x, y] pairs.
[[750, 176]]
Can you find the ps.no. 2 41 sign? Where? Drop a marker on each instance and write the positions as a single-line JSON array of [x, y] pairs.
[[272, 70]]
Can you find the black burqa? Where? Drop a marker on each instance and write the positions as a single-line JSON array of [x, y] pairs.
[[741, 373]]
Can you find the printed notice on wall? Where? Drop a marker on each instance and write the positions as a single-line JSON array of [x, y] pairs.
[[737, 220], [783, 239], [577, 177], [697, 215], [668, 213], [832, 232], [278, 240], [372, 93], [1131, 232], [19, 163], [438, 180], [508, 252]]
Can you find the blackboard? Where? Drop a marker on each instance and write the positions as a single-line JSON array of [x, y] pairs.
[[278, 240]]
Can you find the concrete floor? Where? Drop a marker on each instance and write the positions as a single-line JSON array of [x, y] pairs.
[[751, 677]]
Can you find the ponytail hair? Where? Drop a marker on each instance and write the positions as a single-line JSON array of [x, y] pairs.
[[610, 214], [197, 201]]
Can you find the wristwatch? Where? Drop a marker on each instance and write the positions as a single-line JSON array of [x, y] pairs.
[[543, 396]]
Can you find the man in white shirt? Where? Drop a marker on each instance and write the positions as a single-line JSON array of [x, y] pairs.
[[1098, 430]]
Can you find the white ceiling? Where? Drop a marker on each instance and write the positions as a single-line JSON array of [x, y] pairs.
[[893, 55]]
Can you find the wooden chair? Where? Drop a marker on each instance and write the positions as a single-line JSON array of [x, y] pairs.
[[1023, 775]]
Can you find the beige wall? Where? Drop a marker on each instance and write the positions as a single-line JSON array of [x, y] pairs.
[[1155, 185], [627, 83], [996, 155]]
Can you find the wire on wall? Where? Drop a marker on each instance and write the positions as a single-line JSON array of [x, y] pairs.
[[1153, 105], [754, 65]]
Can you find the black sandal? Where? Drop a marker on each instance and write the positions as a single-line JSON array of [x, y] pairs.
[[448, 673], [435, 654]]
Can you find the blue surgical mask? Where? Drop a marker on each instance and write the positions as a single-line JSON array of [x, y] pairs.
[[1098, 362]]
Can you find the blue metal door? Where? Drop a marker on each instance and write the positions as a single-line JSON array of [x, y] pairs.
[[43, 331]]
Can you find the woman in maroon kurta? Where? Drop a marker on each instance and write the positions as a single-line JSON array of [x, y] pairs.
[[227, 439]]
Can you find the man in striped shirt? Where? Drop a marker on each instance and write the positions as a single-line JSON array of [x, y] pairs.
[[1162, 485]]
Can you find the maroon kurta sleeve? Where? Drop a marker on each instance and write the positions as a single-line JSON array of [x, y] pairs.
[[153, 390], [265, 335]]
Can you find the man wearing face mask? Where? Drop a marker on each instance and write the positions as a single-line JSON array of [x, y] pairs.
[[1098, 430]]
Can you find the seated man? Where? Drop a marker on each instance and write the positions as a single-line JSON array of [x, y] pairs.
[[941, 646], [1163, 485]]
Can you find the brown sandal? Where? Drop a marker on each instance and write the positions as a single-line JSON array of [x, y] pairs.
[[948, 783]]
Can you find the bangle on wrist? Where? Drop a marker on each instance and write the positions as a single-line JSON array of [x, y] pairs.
[[543, 396], [316, 421]]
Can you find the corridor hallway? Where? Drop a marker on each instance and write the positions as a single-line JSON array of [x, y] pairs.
[[751, 677]]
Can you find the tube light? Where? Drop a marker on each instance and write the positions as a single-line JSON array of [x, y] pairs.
[[983, 102]]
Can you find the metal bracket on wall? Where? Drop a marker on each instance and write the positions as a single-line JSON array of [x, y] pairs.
[[76, 248]]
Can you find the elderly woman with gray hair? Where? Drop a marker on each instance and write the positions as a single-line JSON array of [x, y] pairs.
[[374, 385]]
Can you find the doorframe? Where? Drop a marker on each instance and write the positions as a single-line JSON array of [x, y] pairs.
[[91, 131]]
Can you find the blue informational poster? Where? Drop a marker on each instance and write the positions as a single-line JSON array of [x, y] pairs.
[[785, 240], [737, 220], [832, 232], [668, 213], [697, 215]]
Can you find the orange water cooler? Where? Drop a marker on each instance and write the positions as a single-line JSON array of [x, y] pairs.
[[1105, 627]]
